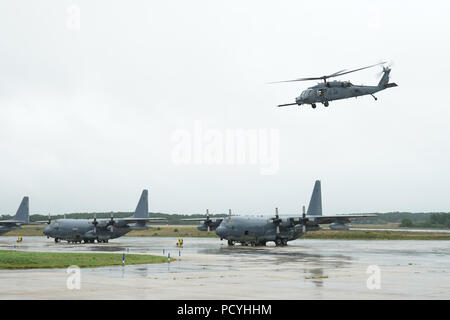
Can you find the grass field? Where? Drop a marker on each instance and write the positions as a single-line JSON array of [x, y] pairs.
[[33, 260], [191, 231], [375, 235]]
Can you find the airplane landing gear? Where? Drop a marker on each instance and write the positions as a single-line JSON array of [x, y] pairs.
[[281, 242], [326, 104], [56, 240], [374, 97], [313, 105], [230, 242]]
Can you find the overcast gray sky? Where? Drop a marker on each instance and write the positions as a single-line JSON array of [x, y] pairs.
[[87, 116]]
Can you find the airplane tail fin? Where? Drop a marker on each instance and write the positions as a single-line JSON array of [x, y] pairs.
[[315, 204], [142, 207], [23, 213]]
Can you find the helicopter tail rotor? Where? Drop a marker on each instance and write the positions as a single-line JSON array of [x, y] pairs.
[[385, 76], [386, 68]]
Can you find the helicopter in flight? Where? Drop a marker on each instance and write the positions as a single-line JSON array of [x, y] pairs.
[[337, 90]]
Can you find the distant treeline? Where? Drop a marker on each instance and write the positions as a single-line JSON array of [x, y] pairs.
[[426, 219], [436, 220], [408, 219]]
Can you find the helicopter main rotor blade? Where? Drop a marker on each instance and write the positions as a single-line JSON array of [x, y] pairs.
[[336, 74], [311, 78], [342, 73]]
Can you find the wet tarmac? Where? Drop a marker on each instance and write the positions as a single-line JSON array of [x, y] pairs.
[[209, 269]]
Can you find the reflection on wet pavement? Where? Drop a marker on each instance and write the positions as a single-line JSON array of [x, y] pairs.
[[208, 268]]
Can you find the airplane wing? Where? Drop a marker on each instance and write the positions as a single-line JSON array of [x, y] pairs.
[[131, 219], [11, 222], [342, 217], [39, 222], [345, 218], [202, 219]]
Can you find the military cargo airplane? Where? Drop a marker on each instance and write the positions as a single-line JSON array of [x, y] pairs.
[[337, 90], [22, 217], [77, 230], [258, 231]]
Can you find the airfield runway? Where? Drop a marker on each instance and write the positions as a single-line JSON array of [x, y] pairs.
[[209, 269]]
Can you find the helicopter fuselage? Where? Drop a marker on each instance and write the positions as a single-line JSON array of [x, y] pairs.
[[335, 90]]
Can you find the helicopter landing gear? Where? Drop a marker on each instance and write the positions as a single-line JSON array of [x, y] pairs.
[[326, 104], [374, 97], [313, 105]]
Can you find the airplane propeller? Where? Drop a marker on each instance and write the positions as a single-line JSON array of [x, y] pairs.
[[208, 221], [112, 223], [304, 220], [277, 221], [49, 219], [95, 223]]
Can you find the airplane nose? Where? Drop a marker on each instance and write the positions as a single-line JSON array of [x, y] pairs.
[[220, 231], [47, 230]]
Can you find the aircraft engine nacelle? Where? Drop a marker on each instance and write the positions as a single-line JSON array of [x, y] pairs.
[[340, 226], [312, 227], [212, 226], [121, 224]]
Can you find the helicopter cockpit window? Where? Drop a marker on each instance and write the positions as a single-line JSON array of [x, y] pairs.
[[321, 92]]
